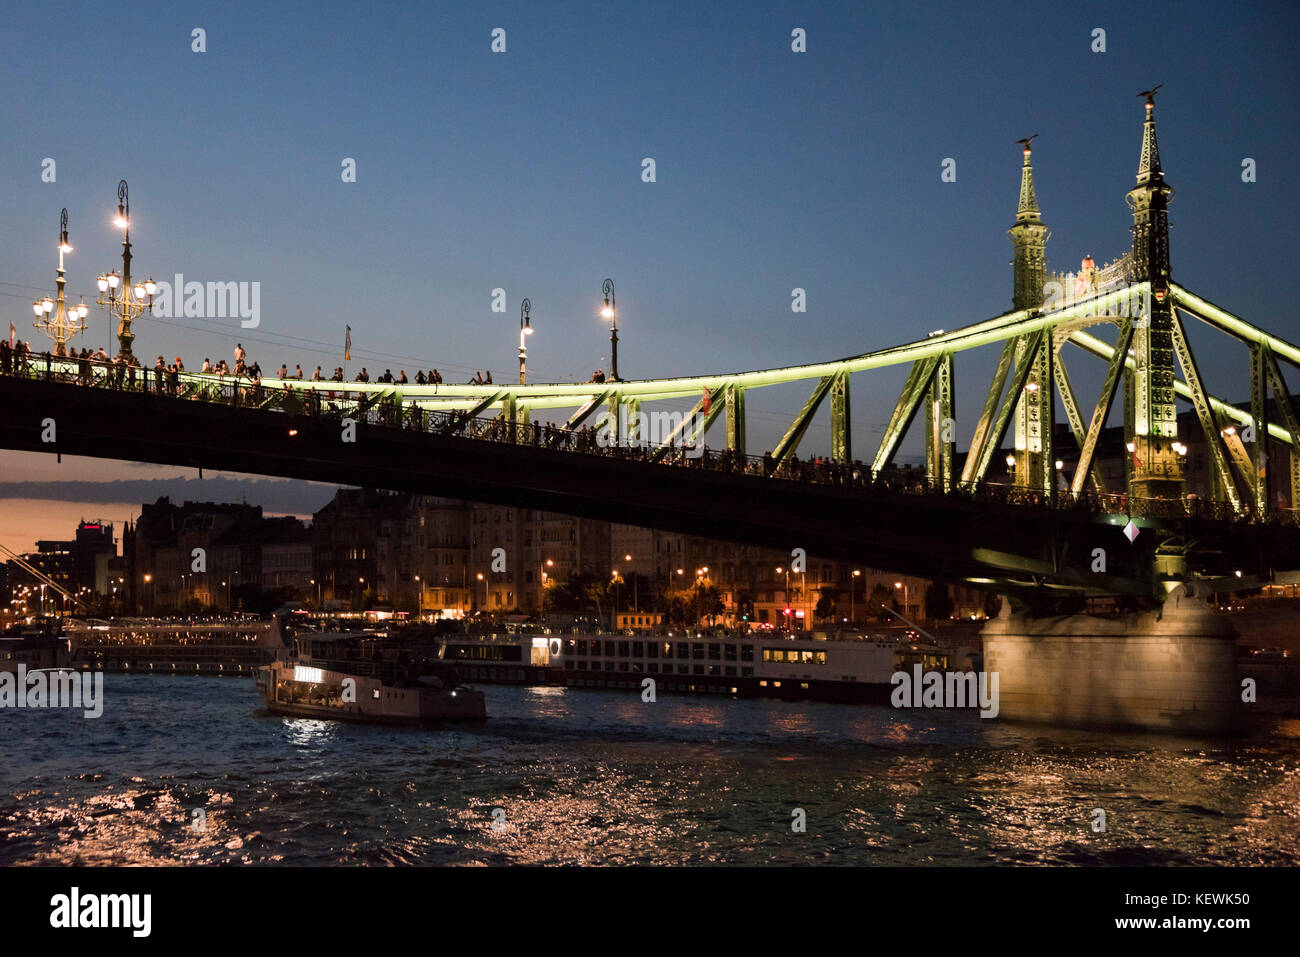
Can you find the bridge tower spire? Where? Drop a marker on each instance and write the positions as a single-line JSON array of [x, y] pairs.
[[1034, 462], [1156, 468]]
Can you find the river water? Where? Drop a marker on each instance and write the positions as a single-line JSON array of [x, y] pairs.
[[564, 776]]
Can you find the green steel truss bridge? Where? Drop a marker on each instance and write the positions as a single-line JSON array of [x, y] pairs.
[[1034, 536]]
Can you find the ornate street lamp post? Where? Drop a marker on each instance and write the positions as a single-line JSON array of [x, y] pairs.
[[610, 312], [66, 322], [130, 302], [525, 329]]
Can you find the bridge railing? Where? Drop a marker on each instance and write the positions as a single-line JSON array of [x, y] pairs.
[[378, 409]]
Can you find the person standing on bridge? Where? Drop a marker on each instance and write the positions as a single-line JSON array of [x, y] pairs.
[[240, 355]]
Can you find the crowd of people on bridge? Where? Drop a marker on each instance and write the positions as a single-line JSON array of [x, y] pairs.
[[17, 358]]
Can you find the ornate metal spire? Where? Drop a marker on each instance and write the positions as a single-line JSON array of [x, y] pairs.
[[1028, 240], [1149, 170], [1027, 211]]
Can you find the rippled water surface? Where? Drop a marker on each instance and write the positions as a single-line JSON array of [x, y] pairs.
[[601, 778]]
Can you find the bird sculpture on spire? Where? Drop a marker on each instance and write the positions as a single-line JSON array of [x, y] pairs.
[[1151, 94]]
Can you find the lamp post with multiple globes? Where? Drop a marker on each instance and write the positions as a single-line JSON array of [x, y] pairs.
[[124, 301], [66, 322]]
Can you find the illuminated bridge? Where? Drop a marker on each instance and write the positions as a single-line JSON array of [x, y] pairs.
[[1037, 537]]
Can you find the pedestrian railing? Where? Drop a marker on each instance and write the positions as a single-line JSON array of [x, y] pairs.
[[335, 401]]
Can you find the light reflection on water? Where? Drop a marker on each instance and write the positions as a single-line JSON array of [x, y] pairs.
[[603, 778]]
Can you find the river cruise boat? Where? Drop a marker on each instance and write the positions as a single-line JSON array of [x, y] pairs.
[[36, 645], [848, 667], [364, 677]]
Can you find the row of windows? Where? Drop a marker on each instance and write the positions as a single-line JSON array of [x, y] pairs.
[[697, 650], [652, 667], [794, 656]]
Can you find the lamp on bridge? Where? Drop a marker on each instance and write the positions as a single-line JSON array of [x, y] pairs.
[[66, 322], [610, 312], [128, 304], [525, 329]]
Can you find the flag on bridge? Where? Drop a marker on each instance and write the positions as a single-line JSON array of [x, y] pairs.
[[12, 332], [347, 345], [707, 402]]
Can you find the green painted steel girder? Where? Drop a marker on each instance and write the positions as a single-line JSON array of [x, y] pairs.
[[588, 407], [1101, 411], [1003, 419], [1204, 413], [1231, 413], [1071, 403], [1259, 413], [790, 441], [985, 423], [1282, 400], [918, 379], [841, 420], [736, 418]]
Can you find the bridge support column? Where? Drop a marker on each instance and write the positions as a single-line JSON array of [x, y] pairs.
[[940, 440], [736, 419], [841, 420], [1169, 670]]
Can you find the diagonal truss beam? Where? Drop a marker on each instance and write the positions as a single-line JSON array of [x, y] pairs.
[[1229, 412], [790, 441], [588, 407], [1201, 403], [1101, 412], [689, 421], [1282, 401], [993, 438], [1068, 399], [1259, 414], [918, 380], [981, 437]]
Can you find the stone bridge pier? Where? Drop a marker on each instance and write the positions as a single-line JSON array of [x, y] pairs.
[[1171, 669]]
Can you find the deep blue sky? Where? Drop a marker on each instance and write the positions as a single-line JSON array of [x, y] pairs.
[[522, 170]]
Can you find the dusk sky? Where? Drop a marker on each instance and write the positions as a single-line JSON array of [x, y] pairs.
[[523, 170]]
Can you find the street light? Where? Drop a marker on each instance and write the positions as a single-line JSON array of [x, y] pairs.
[[786, 612], [853, 596], [66, 322], [132, 301], [636, 601], [525, 329], [541, 595], [906, 602], [610, 312]]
